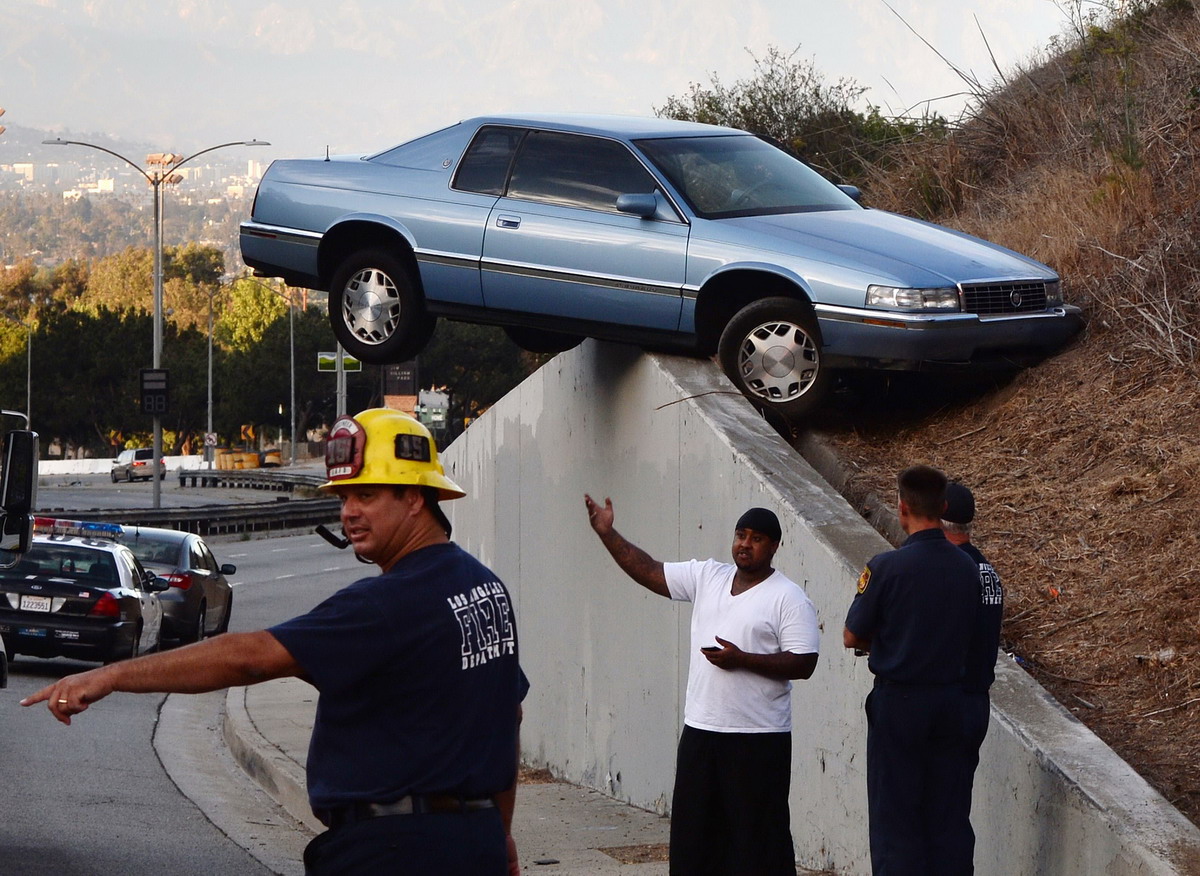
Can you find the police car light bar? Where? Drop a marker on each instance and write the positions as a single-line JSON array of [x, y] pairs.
[[81, 528]]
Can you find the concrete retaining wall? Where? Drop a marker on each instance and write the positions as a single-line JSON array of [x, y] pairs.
[[682, 455]]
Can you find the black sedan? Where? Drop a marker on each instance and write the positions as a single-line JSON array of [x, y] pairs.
[[75, 593], [199, 600]]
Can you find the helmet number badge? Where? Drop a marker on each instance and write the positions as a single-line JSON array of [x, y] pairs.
[[344, 449]]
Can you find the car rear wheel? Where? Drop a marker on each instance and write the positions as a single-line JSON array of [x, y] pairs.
[[197, 631], [542, 340], [771, 353], [376, 312], [129, 651], [224, 627]]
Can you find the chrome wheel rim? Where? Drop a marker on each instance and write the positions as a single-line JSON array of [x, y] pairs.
[[778, 361], [371, 306]]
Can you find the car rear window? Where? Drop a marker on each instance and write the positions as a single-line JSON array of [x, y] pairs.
[[484, 166]]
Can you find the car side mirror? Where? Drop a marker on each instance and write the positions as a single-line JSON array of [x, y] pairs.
[[158, 584], [644, 205], [228, 569], [18, 490], [853, 191]]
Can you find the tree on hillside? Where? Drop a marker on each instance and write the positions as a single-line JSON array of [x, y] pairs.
[[790, 101]]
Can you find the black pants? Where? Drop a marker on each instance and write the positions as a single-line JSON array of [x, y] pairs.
[[446, 844], [917, 781], [729, 813]]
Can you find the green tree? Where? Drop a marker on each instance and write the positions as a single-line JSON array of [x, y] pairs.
[[252, 307]]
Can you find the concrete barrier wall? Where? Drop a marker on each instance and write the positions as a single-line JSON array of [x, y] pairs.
[[682, 455]]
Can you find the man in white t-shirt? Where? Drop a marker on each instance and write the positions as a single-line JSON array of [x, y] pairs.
[[756, 630]]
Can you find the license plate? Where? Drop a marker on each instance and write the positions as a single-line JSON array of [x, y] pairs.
[[35, 603]]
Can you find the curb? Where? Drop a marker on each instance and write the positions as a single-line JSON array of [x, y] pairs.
[[264, 762]]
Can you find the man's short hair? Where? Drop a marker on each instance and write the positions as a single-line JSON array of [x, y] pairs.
[[923, 489]]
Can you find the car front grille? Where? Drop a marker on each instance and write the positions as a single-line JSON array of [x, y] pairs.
[[997, 298]]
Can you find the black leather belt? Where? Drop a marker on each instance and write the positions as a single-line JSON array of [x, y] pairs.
[[414, 804]]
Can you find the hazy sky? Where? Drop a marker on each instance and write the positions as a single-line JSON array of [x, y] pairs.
[[356, 75]]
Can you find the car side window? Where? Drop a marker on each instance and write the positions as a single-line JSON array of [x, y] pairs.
[[197, 559], [577, 171], [484, 166], [133, 569]]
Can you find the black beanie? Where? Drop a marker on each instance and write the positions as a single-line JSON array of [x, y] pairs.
[[761, 520]]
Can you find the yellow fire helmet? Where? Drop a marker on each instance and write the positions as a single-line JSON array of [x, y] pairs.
[[382, 446]]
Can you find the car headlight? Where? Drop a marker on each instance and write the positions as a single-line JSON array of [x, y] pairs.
[[897, 298], [1054, 292]]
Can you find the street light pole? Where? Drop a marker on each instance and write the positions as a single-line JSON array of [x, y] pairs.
[[209, 451], [290, 299], [170, 162]]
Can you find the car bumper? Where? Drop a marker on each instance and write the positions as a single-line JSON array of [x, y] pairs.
[[49, 636], [282, 252], [860, 337]]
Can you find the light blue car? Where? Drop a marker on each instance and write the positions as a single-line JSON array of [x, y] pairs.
[[668, 234]]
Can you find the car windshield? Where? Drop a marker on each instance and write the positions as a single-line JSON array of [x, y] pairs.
[[741, 175]]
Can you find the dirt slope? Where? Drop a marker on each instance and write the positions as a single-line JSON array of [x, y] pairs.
[[1085, 472]]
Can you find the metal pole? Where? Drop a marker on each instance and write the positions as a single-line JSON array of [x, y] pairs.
[[28, 377], [156, 182], [292, 344], [341, 383], [209, 451]]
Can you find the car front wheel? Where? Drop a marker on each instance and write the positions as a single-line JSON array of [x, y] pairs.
[[376, 312], [770, 351]]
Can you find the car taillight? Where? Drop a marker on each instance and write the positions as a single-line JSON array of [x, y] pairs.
[[106, 606], [180, 581]]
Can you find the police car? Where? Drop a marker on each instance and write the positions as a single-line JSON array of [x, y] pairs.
[[79, 593]]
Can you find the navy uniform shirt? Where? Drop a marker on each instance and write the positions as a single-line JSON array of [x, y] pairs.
[[419, 682], [981, 656], [917, 606]]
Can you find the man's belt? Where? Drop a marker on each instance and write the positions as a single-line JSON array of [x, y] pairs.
[[414, 804]]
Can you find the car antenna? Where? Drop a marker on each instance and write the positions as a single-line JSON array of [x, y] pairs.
[[326, 151]]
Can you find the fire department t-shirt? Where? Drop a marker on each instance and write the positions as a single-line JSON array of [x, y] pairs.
[[419, 682], [772, 616]]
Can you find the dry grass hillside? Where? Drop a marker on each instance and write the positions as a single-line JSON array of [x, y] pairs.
[[1086, 468]]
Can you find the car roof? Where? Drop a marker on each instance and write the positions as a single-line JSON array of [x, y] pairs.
[[80, 541], [152, 533], [628, 127]]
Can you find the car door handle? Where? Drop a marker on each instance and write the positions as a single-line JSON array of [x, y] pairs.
[[508, 221]]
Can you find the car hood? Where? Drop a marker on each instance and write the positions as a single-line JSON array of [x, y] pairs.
[[896, 249]]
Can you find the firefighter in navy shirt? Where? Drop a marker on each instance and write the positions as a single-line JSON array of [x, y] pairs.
[[915, 613], [413, 759], [957, 523]]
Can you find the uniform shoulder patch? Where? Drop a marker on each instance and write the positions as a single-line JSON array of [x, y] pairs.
[[864, 579]]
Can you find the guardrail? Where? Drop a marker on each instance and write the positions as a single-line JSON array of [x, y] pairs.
[[285, 513], [250, 478]]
